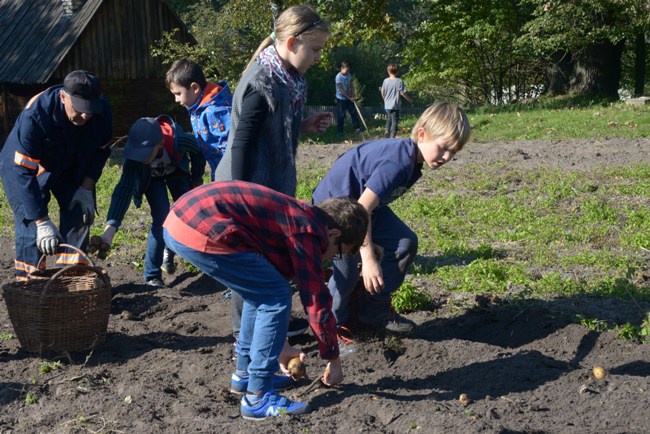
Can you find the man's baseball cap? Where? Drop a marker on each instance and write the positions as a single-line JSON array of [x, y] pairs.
[[84, 90], [144, 135]]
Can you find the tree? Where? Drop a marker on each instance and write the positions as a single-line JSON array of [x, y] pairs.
[[228, 32], [466, 51], [582, 41], [354, 21]]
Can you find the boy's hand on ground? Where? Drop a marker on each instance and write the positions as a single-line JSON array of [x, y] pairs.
[[333, 373], [288, 353], [373, 278]]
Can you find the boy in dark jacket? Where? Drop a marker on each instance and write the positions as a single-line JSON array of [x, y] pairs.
[[157, 158]]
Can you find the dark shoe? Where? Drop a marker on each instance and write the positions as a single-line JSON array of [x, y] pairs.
[[272, 404], [155, 282], [168, 265], [386, 134], [346, 344], [399, 324], [297, 326], [239, 385], [382, 317]]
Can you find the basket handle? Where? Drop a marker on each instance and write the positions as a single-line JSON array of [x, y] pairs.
[[100, 272], [68, 246]]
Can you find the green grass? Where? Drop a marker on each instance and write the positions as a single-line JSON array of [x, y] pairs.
[[546, 119], [547, 231], [583, 239], [497, 229], [545, 122]]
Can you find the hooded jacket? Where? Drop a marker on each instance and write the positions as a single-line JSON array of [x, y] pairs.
[[210, 117]]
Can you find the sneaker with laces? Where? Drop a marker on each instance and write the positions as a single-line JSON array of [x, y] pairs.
[[155, 282], [168, 265], [239, 385], [297, 326], [271, 404]]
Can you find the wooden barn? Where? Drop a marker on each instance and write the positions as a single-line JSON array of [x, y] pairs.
[[41, 41]]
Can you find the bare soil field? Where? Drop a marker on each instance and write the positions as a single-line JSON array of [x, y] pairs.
[[526, 366]]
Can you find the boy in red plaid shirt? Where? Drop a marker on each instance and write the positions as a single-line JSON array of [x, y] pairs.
[[253, 239]]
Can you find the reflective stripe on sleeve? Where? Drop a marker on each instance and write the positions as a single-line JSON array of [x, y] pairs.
[[25, 161]]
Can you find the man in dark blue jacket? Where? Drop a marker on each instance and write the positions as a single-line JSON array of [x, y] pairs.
[[58, 147]]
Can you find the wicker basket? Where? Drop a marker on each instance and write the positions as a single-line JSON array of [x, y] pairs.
[[68, 311]]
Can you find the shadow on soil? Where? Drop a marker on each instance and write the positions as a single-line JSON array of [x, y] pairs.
[[10, 392], [514, 367]]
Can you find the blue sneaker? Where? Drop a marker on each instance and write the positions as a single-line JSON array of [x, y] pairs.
[[239, 385], [272, 404]]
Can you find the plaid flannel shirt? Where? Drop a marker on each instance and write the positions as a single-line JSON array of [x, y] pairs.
[[291, 234]]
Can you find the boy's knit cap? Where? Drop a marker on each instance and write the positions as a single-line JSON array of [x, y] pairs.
[[144, 134]]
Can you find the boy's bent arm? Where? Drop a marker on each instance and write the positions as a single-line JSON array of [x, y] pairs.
[[187, 144], [373, 278], [408, 97], [343, 92], [314, 294], [133, 175]]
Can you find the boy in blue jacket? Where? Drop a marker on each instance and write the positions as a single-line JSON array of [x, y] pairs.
[[157, 158], [209, 105]]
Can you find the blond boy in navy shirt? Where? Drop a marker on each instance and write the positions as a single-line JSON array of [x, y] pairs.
[[376, 173]]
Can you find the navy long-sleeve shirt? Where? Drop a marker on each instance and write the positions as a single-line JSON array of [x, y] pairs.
[[44, 149]]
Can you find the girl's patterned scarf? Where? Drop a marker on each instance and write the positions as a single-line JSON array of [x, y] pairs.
[[289, 77]]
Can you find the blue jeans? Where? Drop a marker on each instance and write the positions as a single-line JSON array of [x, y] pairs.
[[392, 119], [400, 246], [267, 305], [342, 106], [178, 184]]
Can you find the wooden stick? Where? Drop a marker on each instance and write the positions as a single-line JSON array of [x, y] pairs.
[[360, 115]]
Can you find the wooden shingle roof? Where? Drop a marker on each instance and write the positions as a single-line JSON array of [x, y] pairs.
[[35, 36]]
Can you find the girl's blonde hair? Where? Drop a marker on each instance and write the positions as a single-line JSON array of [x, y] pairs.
[[299, 21], [444, 120]]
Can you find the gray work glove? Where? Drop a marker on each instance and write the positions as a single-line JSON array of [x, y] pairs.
[[47, 237], [86, 201]]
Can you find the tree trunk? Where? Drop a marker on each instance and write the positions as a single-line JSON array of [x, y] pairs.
[[597, 70], [639, 64], [557, 73]]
